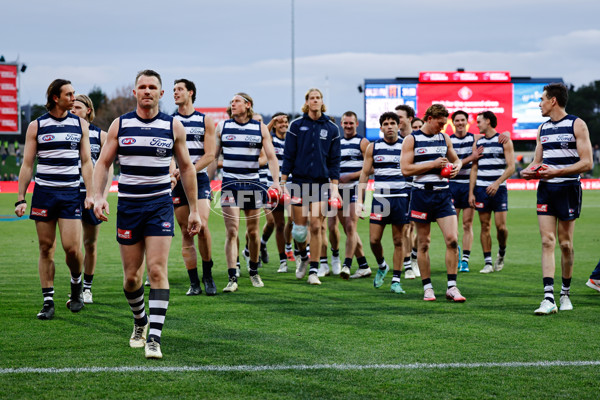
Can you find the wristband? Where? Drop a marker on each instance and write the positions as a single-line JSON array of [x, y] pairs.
[[18, 203]]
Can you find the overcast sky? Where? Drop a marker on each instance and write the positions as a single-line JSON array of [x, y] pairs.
[[232, 46]]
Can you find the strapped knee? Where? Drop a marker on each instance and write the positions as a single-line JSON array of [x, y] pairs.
[[299, 232]]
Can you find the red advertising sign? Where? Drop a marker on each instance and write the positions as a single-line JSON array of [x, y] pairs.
[[9, 105], [472, 98], [218, 114], [448, 77]]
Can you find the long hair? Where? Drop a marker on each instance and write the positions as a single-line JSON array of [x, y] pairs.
[[305, 106], [248, 99], [86, 101], [54, 90]]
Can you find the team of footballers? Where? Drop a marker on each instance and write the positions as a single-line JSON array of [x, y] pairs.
[[421, 175]]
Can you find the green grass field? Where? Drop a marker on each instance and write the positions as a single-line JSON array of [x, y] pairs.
[[343, 339]]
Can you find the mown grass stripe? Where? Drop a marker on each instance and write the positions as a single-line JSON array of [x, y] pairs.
[[260, 368]]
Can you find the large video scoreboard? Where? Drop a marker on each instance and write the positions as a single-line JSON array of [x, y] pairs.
[[514, 100]]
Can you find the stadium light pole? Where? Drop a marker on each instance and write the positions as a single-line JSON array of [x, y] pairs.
[[293, 65]]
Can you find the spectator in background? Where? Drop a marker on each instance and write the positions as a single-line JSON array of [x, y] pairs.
[[5, 152], [17, 153]]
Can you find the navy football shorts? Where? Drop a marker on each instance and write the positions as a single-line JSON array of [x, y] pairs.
[[204, 191], [87, 216], [460, 195], [52, 203], [389, 210], [486, 203], [562, 200], [138, 218], [247, 195], [427, 206]]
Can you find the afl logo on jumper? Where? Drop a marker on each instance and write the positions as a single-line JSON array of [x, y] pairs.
[[47, 138], [421, 151], [544, 139], [379, 158], [127, 141], [230, 137]]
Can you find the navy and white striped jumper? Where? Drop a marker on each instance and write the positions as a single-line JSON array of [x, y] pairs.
[[492, 163], [279, 146], [58, 144], [95, 147], [145, 151], [409, 179], [463, 148], [241, 145], [389, 181], [194, 135], [560, 147], [428, 148], [351, 159]]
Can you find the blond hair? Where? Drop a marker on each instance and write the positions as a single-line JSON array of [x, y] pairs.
[[86, 101], [247, 99], [305, 106]]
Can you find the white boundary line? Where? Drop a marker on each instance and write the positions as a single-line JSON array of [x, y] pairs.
[[260, 368]]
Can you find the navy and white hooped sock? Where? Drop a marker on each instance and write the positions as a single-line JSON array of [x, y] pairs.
[[158, 302], [487, 257], [362, 262], [549, 289], [48, 294], [407, 264], [566, 286], [466, 255], [136, 303], [451, 280], [87, 281]]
